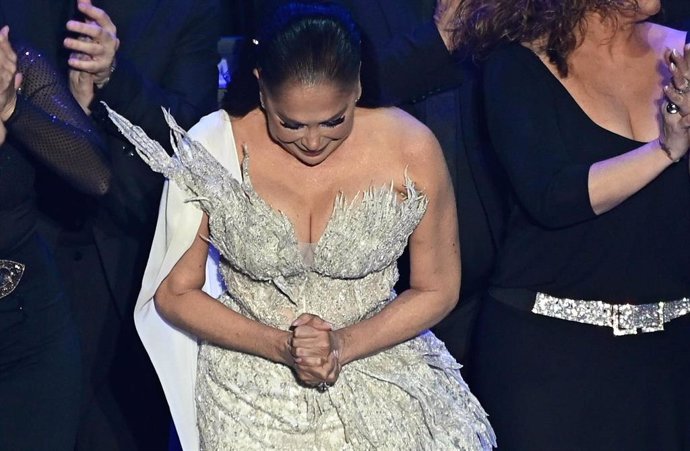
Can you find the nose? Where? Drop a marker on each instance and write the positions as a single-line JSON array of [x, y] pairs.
[[311, 140]]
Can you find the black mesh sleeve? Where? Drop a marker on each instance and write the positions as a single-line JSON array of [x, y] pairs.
[[49, 124]]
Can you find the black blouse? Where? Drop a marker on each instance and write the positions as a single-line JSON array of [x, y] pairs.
[[636, 253], [47, 128]]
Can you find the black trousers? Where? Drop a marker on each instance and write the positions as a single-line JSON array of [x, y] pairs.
[[39, 359], [123, 406]]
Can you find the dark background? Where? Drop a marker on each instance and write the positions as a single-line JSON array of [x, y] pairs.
[[239, 16]]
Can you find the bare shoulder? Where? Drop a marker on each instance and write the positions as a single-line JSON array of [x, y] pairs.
[[406, 145], [400, 131]]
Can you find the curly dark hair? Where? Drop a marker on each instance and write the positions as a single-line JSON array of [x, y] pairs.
[[551, 25]]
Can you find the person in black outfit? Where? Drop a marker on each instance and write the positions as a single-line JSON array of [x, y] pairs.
[[40, 372], [161, 54], [584, 341]]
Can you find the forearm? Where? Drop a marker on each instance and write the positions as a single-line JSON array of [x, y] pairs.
[[411, 313], [614, 180], [205, 317]]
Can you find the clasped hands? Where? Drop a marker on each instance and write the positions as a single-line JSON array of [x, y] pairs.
[[675, 134], [315, 351]]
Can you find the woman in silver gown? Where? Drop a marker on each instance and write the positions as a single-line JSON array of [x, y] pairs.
[[309, 201]]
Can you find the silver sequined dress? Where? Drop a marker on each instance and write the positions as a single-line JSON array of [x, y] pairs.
[[408, 397]]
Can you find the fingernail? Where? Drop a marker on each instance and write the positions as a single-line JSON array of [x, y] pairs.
[[675, 52], [673, 66]]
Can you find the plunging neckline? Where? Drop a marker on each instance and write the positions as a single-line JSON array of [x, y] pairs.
[[340, 203], [575, 102]]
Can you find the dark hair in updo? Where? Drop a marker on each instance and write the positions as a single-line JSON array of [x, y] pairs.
[[305, 43]]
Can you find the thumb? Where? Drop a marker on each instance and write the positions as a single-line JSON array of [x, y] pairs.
[[18, 78]]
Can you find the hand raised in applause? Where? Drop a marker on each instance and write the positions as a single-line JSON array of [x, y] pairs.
[[10, 79], [315, 348], [93, 52]]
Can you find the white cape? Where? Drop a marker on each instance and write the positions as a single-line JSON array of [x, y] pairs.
[[172, 351]]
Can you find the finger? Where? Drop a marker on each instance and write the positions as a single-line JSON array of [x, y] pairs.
[[680, 59], [313, 345], [313, 351], [6, 51], [90, 66], [90, 48], [89, 29], [18, 79], [306, 378], [679, 77], [310, 362], [667, 56], [318, 323], [97, 15], [307, 331], [301, 319]]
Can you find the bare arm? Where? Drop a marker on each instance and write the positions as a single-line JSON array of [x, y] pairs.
[[614, 180], [180, 300], [435, 266]]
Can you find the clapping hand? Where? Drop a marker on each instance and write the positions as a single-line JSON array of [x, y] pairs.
[[315, 349], [93, 53], [10, 79]]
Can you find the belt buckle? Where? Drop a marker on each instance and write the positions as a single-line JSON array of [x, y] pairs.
[[622, 320], [10, 274]]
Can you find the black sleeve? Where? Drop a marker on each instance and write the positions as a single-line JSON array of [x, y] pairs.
[[49, 124], [401, 65], [524, 130], [189, 88], [410, 66]]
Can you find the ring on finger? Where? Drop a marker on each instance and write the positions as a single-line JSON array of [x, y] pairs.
[[322, 386], [672, 108]]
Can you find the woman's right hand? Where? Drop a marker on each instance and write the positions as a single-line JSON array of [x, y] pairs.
[[10, 80], [674, 136]]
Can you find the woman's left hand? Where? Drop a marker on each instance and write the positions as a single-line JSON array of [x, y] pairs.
[[315, 347]]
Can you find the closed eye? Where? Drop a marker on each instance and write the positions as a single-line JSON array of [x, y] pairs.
[[334, 122], [291, 126]]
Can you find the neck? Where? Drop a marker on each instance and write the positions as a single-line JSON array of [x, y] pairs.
[[608, 36]]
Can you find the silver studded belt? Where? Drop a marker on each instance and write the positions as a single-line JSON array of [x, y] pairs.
[[624, 319], [10, 273]]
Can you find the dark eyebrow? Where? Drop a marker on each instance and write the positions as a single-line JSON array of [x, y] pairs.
[[299, 124]]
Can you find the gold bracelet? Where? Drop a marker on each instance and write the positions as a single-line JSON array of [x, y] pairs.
[[667, 151]]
